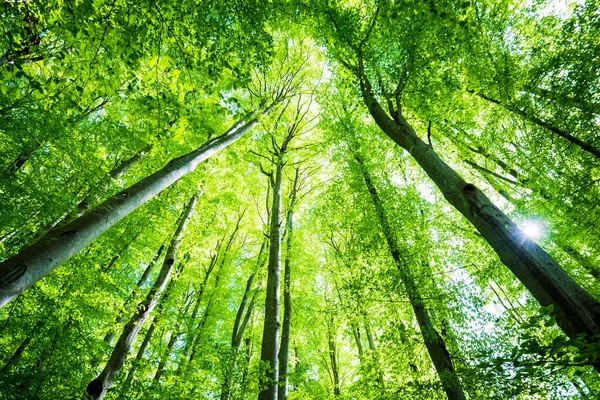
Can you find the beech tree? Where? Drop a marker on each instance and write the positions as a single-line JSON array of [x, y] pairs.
[[409, 188]]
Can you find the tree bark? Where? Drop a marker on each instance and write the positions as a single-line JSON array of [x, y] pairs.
[[110, 335], [268, 354], [32, 263], [544, 124], [373, 349], [575, 310], [284, 348], [331, 344], [436, 347], [159, 309], [242, 319], [97, 388]]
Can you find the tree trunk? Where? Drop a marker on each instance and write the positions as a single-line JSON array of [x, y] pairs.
[[433, 341], [32, 263], [284, 348], [357, 339], [238, 326], [268, 353], [110, 335], [575, 310], [242, 319], [98, 387], [151, 329], [16, 355], [331, 344], [373, 349], [546, 125], [217, 261]]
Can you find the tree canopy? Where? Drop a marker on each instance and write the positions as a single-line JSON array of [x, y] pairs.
[[300, 199]]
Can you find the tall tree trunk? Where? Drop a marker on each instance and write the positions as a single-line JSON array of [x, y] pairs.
[[238, 326], [268, 353], [98, 387], [157, 315], [373, 349], [332, 347], [16, 355], [175, 335], [357, 339], [242, 319], [218, 259], [284, 348], [32, 263], [575, 310], [436, 347], [110, 335]]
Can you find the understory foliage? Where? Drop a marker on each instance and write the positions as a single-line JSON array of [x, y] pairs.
[[95, 96]]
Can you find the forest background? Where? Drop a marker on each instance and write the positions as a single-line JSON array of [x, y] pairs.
[[299, 199]]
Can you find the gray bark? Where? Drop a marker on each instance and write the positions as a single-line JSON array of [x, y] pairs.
[[269, 348], [110, 335], [97, 388], [436, 347], [284, 348], [32, 263], [242, 319], [575, 310]]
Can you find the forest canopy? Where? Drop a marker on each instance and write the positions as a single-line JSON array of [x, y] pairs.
[[300, 199]]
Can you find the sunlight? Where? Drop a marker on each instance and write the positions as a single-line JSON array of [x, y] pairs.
[[532, 229]]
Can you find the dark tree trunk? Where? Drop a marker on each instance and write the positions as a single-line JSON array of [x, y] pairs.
[[544, 124], [239, 328], [98, 387], [332, 347], [436, 347], [575, 310], [284, 348], [269, 348]]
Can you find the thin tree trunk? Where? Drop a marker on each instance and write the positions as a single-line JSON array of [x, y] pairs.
[[268, 353], [238, 328], [159, 310], [175, 335], [110, 335], [357, 339], [16, 355], [32, 263], [436, 347], [242, 319], [373, 349], [331, 344], [98, 387], [284, 348], [576, 311], [410, 351], [216, 263], [546, 125]]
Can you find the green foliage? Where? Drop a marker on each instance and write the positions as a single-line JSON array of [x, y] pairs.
[[87, 86]]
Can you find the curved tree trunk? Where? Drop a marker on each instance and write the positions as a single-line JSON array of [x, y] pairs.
[[575, 310], [98, 387], [32, 263], [436, 347]]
